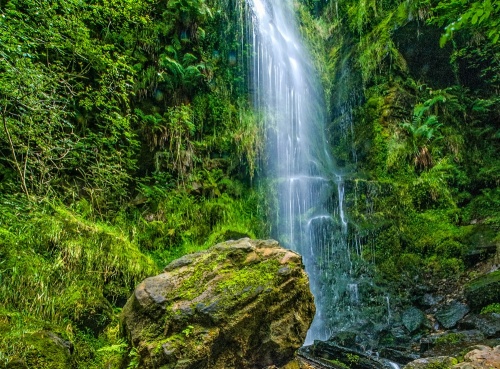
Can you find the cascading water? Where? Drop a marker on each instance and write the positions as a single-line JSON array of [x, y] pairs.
[[309, 211]]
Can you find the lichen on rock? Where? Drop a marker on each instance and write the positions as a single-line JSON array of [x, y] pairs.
[[240, 304]]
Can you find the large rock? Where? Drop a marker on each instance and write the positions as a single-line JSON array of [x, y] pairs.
[[240, 304]]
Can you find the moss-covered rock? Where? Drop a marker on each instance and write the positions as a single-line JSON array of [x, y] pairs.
[[484, 290], [240, 304], [43, 350]]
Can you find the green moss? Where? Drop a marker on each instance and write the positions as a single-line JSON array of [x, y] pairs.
[[245, 280], [491, 308], [191, 286], [338, 364], [450, 338]]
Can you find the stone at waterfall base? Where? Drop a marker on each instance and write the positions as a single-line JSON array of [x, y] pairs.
[[240, 304]]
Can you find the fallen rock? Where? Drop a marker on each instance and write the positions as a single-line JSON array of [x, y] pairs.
[[483, 291], [401, 356], [449, 315], [429, 299], [240, 304]]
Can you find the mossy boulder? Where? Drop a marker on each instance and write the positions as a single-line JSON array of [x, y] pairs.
[[483, 291], [240, 304]]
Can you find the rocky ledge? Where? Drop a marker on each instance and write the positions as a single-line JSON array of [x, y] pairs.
[[240, 304]]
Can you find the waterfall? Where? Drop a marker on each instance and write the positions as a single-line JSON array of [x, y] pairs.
[[309, 193]]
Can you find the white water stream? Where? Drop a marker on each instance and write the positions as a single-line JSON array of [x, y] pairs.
[[309, 211]]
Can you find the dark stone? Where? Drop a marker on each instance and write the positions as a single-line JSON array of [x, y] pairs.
[[399, 335], [450, 343], [449, 315], [345, 338], [488, 324], [426, 60], [413, 318]]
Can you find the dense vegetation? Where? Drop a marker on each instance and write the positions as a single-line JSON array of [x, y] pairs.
[[127, 139]]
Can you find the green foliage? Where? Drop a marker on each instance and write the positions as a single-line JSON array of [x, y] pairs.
[[479, 16]]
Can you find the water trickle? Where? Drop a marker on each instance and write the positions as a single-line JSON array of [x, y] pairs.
[[389, 315], [309, 216]]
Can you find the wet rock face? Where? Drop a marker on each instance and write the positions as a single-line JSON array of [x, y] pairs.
[[240, 304]]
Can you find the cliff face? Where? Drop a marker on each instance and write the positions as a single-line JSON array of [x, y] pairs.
[[414, 126]]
